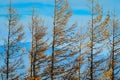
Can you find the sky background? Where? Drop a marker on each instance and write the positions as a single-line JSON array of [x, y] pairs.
[[81, 12]]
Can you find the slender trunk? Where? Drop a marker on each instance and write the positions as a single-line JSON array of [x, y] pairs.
[[79, 71], [52, 67], [112, 62], [32, 52], [53, 44], [91, 54], [34, 66], [8, 44], [31, 69], [7, 71], [31, 66], [80, 62], [34, 71]]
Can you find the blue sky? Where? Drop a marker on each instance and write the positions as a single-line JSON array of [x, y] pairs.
[[79, 7], [81, 12]]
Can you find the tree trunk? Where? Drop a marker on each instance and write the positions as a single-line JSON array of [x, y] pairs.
[[91, 54]]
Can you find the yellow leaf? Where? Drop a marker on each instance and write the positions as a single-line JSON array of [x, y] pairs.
[[106, 35], [108, 73]]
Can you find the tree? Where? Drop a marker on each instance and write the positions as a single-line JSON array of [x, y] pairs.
[[77, 71], [13, 51], [39, 46], [98, 31], [114, 41], [82, 45], [63, 38]]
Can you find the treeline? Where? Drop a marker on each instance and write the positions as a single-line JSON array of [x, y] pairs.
[[89, 52]]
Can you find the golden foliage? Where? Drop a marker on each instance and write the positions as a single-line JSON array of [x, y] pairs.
[[59, 52], [77, 67], [59, 71], [40, 35], [74, 78], [108, 73], [43, 49], [33, 78], [105, 34], [106, 20], [92, 35], [42, 56], [89, 44], [98, 19], [59, 29]]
